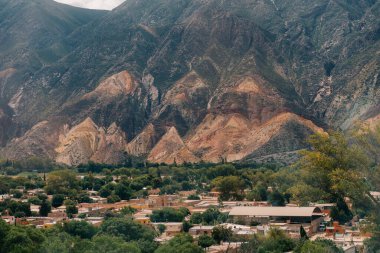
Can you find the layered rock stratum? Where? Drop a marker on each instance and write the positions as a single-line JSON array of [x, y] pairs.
[[175, 81]]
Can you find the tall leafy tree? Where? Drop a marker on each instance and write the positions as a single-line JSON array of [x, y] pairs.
[[230, 187], [333, 169], [127, 229], [57, 200], [61, 181], [205, 241], [23, 240], [45, 208], [221, 233], [71, 208], [82, 229]]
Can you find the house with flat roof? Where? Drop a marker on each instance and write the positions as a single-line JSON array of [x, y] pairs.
[[171, 228], [305, 216], [201, 230], [158, 201]]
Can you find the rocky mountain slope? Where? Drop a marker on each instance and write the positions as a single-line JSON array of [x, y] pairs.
[[189, 80], [33, 35]]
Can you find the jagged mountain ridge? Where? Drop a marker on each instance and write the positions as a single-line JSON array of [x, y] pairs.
[[33, 35], [231, 76]]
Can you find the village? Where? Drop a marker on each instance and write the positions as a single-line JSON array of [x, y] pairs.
[[242, 218]]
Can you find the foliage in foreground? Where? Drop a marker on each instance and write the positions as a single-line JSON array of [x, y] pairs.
[[115, 235], [182, 243]]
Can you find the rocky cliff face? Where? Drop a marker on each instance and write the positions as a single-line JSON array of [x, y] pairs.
[[171, 149], [141, 145], [188, 80], [88, 142]]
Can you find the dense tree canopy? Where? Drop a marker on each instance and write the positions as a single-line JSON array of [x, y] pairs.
[[82, 229], [61, 181], [274, 241], [211, 216], [331, 171], [230, 187], [182, 243], [168, 214]]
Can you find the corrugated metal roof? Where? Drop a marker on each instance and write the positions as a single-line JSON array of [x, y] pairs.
[[275, 211]]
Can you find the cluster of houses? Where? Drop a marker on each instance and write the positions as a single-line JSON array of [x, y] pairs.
[[245, 218]]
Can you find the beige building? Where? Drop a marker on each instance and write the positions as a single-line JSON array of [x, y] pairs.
[[171, 228], [157, 201], [201, 230], [306, 216]]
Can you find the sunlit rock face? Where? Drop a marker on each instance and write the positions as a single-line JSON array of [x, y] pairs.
[[184, 80], [88, 142]]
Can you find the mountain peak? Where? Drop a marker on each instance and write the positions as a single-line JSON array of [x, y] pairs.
[[171, 149]]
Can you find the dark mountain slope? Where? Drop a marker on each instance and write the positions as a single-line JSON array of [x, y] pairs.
[[33, 34]]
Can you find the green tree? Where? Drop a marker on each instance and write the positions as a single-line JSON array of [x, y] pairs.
[[4, 229], [126, 229], [193, 197], [84, 198], [106, 190], [123, 191], [259, 193], [22, 240], [45, 208], [35, 201], [5, 184], [61, 181], [60, 242], [205, 241], [303, 233], [161, 228], [42, 196], [57, 200], [230, 187], [341, 212], [112, 244], [196, 218], [17, 194], [320, 245], [182, 243], [113, 199], [168, 214], [373, 244], [221, 233], [333, 169], [304, 193], [274, 241], [82, 229], [213, 216], [71, 208], [186, 226], [128, 210], [277, 241], [276, 199], [18, 207]]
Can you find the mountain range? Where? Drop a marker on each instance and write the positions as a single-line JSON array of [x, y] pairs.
[[175, 81]]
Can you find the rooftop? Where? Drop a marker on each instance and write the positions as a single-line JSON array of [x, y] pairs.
[[275, 211], [202, 228]]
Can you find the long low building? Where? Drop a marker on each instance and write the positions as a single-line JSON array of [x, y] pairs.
[[308, 216]]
